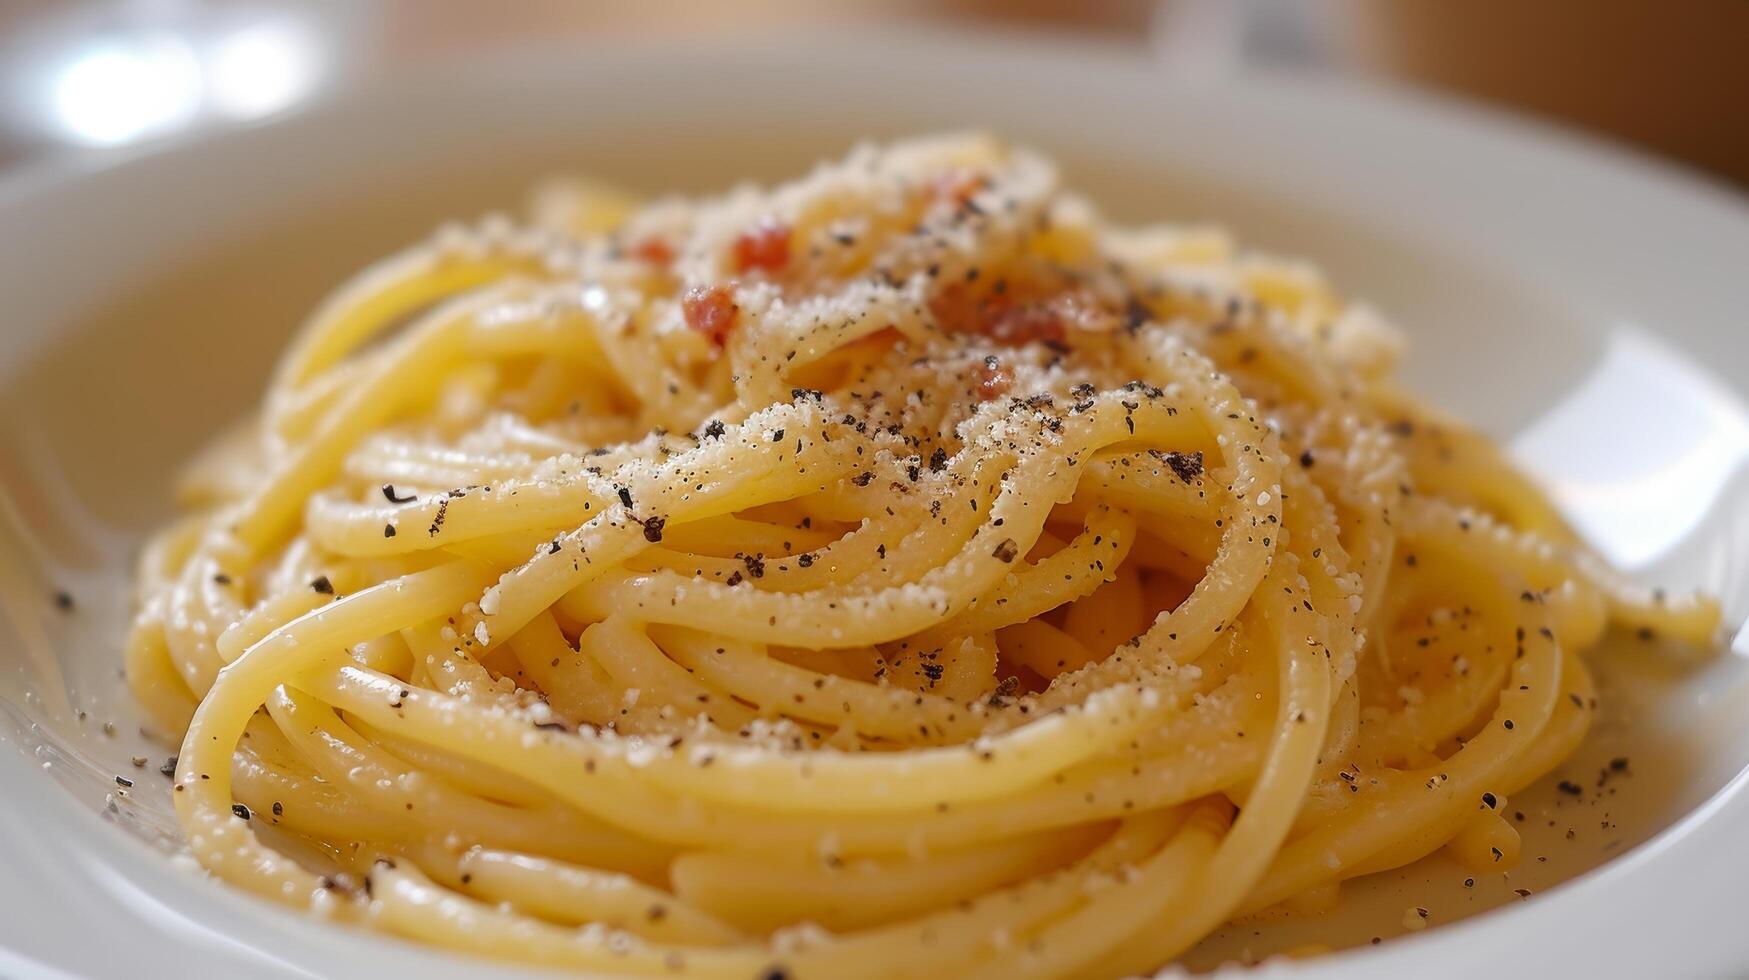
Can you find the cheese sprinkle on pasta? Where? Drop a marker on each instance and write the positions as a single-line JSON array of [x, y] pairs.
[[901, 571]]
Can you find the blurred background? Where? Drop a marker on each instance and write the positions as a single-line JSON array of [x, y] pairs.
[[1668, 76]]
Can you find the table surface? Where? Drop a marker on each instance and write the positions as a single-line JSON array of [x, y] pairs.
[[1667, 78]]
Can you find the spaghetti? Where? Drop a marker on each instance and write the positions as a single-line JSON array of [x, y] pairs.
[[899, 570]]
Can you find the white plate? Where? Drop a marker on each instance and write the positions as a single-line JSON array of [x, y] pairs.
[[1586, 304]]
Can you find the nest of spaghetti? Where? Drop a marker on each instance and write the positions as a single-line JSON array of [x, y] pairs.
[[897, 570]]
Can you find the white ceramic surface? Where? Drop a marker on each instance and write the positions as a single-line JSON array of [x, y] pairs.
[[1589, 306]]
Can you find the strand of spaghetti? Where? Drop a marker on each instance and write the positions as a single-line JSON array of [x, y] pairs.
[[481, 781], [1160, 890], [721, 478], [1253, 502], [892, 611], [1247, 849], [752, 676], [931, 822], [307, 805], [152, 677], [204, 597], [764, 891], [391, 460], [622, 649], [428, 347], [820, 782], [1069, 574], [370, 776], [572, 895], [376, 299], [1410, 809], [954, 939], [1566, 728], [411, 906], [575, 684], [269, 615], [221, 838]]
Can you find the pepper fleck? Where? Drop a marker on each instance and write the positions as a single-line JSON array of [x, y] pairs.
[[1188, 466]]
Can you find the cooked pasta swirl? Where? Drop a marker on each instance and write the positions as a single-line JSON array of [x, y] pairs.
[[898, 570]]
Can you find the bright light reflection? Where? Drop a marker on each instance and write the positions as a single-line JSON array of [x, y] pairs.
[[1640, 452], [117, 92], [134, 86], [262, 68]]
